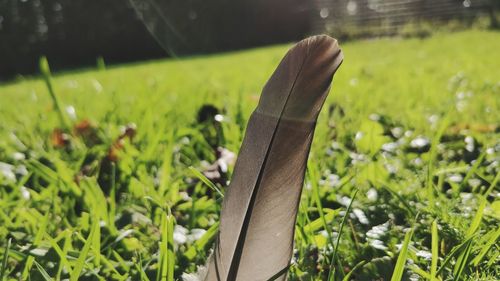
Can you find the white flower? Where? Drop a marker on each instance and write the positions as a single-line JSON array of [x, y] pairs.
[[356, 157], [180, 235], [397, 132], [344, 200], [469, 143], [372, 194], [198, 276], [419, 142], [332, 180], [390, 146], [417, 162], [377, 231], [455, 178], [183, 235], [424, 254], [374, 117], [190, 277], [18, 156], [219, 117], [21, 170], [25, 192], [474, 182], [433, 119], [7, 171], [377, 244], [196, 234], [361, 216], [226, 159], [359, 135], [392, 169], [70, 110]]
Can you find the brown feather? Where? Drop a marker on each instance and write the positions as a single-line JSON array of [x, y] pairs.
[[255, 239]]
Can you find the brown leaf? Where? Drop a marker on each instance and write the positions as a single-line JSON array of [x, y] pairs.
[[474, 127], [88, 132], [59, 139], [128, 133]]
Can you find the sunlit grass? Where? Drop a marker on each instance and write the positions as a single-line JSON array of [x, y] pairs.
[[109, 174]]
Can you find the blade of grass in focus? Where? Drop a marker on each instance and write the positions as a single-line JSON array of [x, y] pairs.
[[331, 274], [434, 250], [42, 271], [36, 242], [402, 257], [166, 253], [5, 259], [47, 77], [81, 261]]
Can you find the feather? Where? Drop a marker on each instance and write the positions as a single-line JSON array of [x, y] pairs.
[[255, 238]]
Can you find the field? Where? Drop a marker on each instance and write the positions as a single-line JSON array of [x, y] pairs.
[[116, 173]]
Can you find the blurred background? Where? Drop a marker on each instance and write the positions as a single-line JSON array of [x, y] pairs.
[[74, 33]]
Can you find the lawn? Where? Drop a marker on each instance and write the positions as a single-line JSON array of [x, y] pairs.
[[116, 175]]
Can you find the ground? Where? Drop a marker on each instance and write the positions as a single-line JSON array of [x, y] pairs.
[[115, 173]]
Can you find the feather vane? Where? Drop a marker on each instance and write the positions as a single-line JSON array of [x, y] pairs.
[[255, 239]]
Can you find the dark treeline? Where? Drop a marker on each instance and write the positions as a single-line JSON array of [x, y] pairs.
[[73, 33]]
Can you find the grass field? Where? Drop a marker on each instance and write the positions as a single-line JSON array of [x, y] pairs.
[[114, 176]]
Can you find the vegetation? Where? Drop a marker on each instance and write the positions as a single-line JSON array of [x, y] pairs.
[[118, 173]]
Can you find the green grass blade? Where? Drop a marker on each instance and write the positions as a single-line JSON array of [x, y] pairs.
[[206, 181], [171, 252], [477, 218], [313, 176], [200, 244], [434, 250], [403, 254], [47, 77], [80, 262], [63, 261], [42, 271], [100, 63], [162, 262], [166, 167], [65, 249], [347, 277], [36, 242], [462, 262], [316, 224], [493, 259], [420, 272], [391, 190], [167, 257], [140, 269], [492, 185], [432, 158], [96, 245], [112, 201], [331, 273], [452, 253], [489, 244], [5, 259], [473, 169]]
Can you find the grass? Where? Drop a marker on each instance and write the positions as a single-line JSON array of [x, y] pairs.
[[114, 174]]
